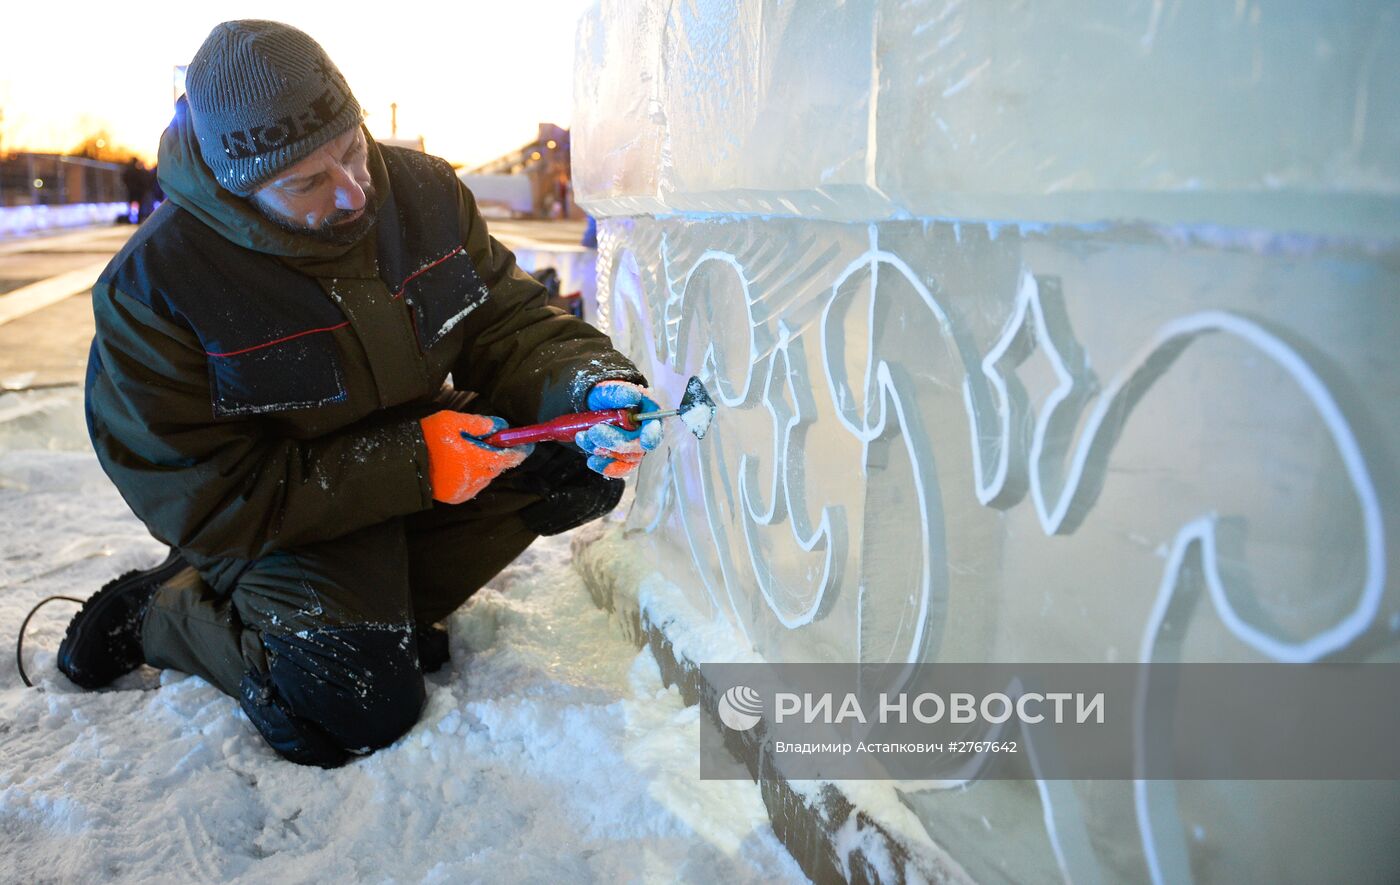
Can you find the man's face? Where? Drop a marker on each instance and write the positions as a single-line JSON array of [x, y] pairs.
[[327, 196]]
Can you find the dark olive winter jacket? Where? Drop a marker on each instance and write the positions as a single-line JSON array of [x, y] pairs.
[[251, 390]]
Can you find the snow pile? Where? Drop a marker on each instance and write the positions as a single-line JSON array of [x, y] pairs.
[[548, 749], [638, 594]]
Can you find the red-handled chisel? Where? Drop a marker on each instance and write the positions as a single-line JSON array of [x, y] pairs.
[[696, 409]]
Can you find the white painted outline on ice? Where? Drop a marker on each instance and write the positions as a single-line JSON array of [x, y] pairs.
[[1060, 501], [676, 304], [867, 432], [1131, 383], [624, 275], [1163, 841], [709, 360], [1015, 334], [830, 533]]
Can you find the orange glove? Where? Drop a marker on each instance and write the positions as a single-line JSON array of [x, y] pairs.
[[459, 463]]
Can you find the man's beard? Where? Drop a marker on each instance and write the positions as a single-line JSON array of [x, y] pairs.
[[333, 229]]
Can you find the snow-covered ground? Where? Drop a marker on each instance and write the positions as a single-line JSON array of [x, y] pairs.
[[548, 751]]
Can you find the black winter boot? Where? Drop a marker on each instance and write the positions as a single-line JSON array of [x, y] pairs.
[[104, 638]]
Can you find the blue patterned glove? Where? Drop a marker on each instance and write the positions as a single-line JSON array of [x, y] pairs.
[[612, 451]]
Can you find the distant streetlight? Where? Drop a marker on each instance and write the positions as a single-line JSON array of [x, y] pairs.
[[535, 155], [38, 182], [551, 144]]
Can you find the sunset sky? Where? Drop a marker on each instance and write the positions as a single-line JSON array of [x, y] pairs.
[[473, 78]]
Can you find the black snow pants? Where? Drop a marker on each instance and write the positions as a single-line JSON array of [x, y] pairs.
[[318, 643]]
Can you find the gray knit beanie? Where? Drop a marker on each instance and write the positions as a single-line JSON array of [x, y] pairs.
[[264, 95]]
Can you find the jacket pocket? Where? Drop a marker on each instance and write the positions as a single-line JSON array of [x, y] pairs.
[[443, 294], [301, 372]]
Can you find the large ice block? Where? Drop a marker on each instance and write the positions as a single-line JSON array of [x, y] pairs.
[[1282, 115], [1040, 332]]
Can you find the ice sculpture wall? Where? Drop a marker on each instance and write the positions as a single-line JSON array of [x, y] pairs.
[[1041, 332]]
